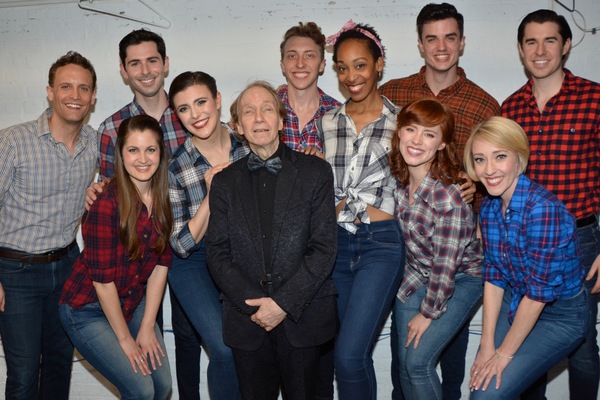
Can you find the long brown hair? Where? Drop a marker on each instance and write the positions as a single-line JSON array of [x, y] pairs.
[[428, 112], [128, 197]]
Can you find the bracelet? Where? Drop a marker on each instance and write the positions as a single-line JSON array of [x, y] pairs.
[[499, 355]]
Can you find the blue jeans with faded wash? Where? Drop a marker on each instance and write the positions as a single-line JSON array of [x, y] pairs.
[[95, 339], [418, 377], [560, 329]]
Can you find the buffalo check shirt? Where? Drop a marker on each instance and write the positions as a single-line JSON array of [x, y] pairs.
[[564, 141], [105, 259], [293, 136], [173, 130], [439, 230], [360, 162], [531, 249]]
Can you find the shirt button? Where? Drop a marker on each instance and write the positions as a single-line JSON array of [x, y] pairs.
[[145, 236], [264, 236], [137, 277]]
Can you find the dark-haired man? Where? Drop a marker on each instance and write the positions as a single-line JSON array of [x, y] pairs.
[[144, 65], [441, 41], [560, 113], [45, 167]]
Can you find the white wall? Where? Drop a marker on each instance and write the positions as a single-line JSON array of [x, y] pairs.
[[238, 41]]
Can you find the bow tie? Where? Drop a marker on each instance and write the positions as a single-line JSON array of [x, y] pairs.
[[273, 165]]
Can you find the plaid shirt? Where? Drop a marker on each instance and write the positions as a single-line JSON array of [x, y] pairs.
[[564, 141], [174, 133], [105, 259], [309, 136], [440, 234], [469, 103], [42, 185], [360, 162], [534, 248], [187, 189]]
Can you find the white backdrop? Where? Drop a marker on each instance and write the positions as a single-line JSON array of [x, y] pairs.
[[237, 41]]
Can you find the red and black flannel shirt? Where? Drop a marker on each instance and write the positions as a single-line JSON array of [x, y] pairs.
[[105, 259], [564, 141]]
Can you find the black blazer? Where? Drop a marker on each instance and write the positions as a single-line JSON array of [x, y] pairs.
[[304, 246]]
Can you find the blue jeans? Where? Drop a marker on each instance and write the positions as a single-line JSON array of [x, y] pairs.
[[38, 352], [93, 336], [584, 364], [418, 377], [561, 327], [187, 352], [367, 274], [193, 286]]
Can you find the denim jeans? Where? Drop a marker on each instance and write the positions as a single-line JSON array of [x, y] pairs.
[[95, 339], [452, 363], [584, 364], [38, 352], [561, 327], [187, 352], [367, 274], [418, 377], [193, 286]]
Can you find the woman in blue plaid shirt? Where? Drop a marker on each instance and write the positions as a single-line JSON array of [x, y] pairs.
[[210, 148], [535, 309]]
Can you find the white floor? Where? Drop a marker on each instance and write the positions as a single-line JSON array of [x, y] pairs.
[[88, 384]]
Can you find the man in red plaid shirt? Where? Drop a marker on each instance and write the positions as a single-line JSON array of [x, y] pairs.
[[441, 41], [302, 62], [561, 115]]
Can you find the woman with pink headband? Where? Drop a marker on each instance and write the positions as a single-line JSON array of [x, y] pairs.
[[356, 141]]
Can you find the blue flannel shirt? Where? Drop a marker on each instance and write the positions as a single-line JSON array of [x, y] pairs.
[[532, 250], [187, 189]]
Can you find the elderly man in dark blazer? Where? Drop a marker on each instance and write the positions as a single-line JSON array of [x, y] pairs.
[[271, 247]]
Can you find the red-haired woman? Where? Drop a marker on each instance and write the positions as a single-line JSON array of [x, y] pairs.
[[442, 285]]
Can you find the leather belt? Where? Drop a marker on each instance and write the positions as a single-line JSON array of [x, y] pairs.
[[48, 257], [585, 221]]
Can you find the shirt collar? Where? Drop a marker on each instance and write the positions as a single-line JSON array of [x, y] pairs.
[[425, 189], [454, 88], [389, 111], [140, 110], [518, 201], [568, 86], [284, 97]]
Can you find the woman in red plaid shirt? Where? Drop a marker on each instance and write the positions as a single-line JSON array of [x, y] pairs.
[[109, 303], [441, 287]]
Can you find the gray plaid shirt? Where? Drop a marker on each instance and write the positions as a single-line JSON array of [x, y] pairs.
[[360, 162]]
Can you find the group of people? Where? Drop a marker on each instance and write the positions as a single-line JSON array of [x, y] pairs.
[[287, 235]]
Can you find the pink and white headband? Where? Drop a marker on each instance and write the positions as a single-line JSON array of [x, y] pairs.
[[352, 26]]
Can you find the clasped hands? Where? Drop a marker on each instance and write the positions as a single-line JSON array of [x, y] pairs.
[[269, 314]]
